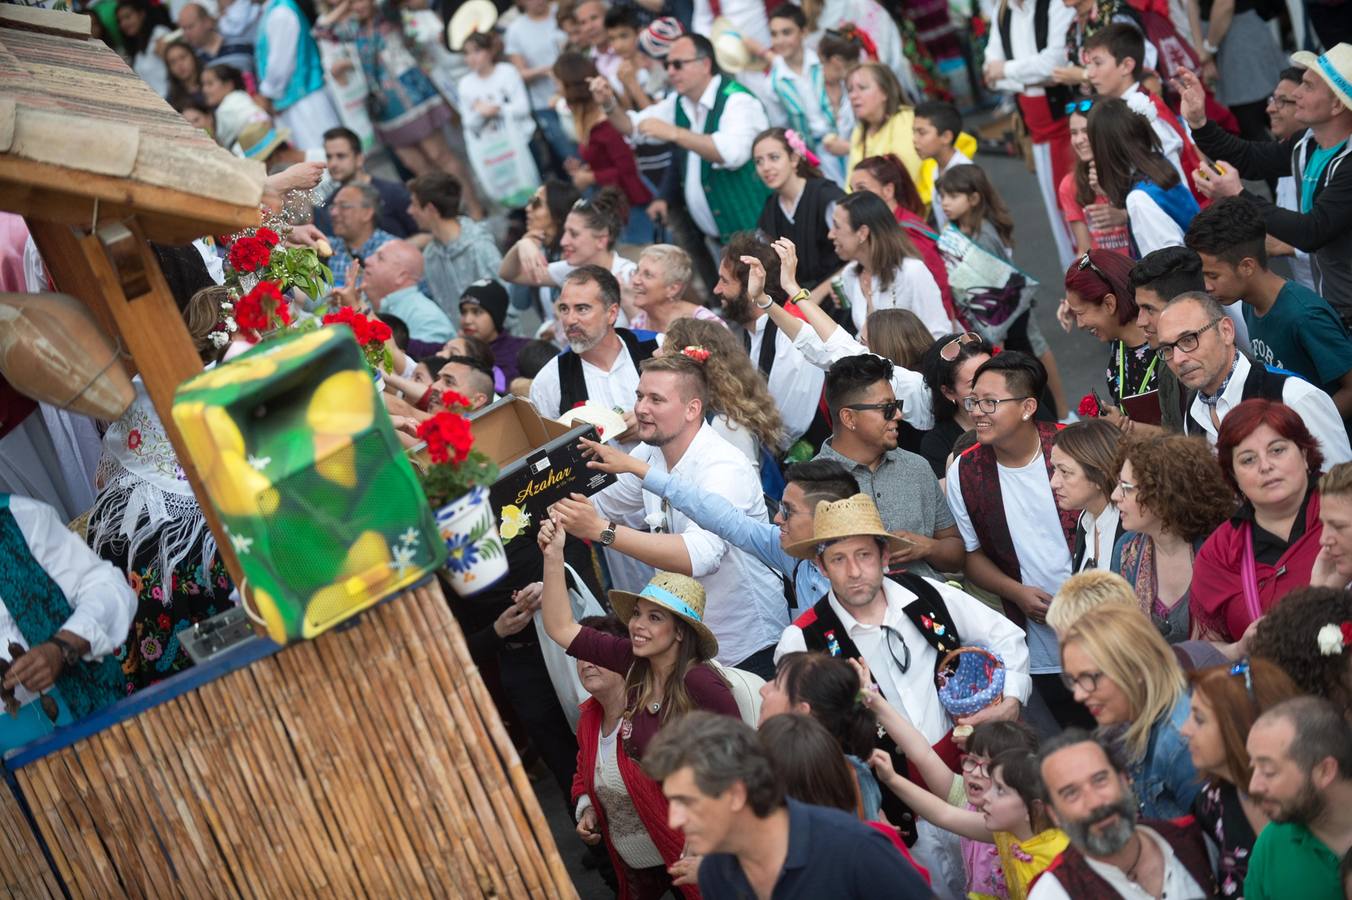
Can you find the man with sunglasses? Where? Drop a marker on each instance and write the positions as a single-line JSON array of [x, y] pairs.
[[867, 418], [1197, 341], [712, 120], [1281, 111]]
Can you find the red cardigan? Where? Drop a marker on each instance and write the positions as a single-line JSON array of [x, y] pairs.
[[1217, 594], [649, 801], [612, 162]]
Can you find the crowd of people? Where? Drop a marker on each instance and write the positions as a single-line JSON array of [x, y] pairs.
[[761, 234]]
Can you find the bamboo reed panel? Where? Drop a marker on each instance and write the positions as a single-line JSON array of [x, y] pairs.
[[366, 763]]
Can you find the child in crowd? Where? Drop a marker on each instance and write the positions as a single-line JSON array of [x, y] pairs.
[[640, 79], [936, 129], [799, 83], [532, 43], [838, 51], [1095, 224], [1134, 175], [802, 204], [591, 34], [975, 208]]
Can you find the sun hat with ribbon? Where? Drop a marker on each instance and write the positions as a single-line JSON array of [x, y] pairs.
[[680, 595], [259, 140], [730, 49], [855, 516], [472, 16], [1335, 67]]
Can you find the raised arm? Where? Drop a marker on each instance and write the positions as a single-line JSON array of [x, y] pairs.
[[525, 263], [963, 822], [918, 752], [555, 608]]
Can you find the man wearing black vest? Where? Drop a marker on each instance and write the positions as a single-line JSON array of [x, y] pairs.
[[1197, 341], [1110, 853], [901, 625], [601, 362]]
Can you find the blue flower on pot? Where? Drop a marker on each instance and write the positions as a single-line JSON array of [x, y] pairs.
[[462, 553]]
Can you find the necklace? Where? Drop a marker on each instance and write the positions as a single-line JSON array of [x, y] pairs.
[[1140, 849]]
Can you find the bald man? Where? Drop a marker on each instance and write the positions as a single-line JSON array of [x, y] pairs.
[[391, 281]]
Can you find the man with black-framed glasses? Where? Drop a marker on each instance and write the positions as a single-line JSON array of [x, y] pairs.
[[1196, 339]]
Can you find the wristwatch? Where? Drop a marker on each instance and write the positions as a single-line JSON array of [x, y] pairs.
[[608, 534], [69, 655]]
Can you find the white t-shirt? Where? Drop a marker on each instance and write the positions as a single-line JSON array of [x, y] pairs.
[[912, 287], [1039, 543], [540, 41], [503, 88], [620, 267]]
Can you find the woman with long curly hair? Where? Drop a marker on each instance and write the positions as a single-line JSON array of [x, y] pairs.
[[1290, 637], [746, 415], [1171, 495]]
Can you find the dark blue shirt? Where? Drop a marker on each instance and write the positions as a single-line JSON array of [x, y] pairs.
[[831, 854]]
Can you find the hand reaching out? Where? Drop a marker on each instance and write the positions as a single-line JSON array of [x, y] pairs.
[[605, 458], [1192, 97]]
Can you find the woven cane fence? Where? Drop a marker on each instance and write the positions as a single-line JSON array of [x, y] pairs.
[[369, 762]]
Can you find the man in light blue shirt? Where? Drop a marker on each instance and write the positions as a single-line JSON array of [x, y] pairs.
[[391, 281]]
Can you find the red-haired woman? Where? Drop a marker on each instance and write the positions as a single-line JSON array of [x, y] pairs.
[[1268, 548], [887, 177], [1099, 296]]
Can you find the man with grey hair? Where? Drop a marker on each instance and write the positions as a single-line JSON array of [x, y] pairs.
[[1196, 339], [1301, 753], [202, 31], [1111, 854], [356, 237], [659, 287], [756, 841], [601, 362]]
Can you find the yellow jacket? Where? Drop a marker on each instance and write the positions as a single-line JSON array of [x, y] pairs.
[[896, 137]]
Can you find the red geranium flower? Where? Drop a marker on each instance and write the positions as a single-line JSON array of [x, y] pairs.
[[452, 400], [256, 310], [133, 439], [249, 254], [380, 332], [269, 237], [1088, 407], [448, 437]]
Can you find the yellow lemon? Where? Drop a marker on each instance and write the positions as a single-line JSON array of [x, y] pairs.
[[368, 551], [272, 616], [336, 460], [302, 346], [223, 430], [190, 417], [241, 490], [343, 403], [239, 371], [514, 521]]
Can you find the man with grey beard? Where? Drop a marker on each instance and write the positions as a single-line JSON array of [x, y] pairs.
[[1111, 854], [601, 362]]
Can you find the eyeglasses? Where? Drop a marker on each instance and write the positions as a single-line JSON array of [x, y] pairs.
[[890, 634], [949, 351], [974, 765], [1279, 102], [348, 206], [1079, 105], [677, 65], [1187, 341], [888, 408], [1126, 487], [1086, 682], [986, 404]]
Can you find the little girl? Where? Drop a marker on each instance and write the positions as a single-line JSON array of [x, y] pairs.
[[1136, 176], [975, 207], [1095, 224], [493, 96]]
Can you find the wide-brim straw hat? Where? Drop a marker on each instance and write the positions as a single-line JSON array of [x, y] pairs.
[[472, 16], [259, 140], [855, 516], [680, 595], [1335, 67], [730, 49]]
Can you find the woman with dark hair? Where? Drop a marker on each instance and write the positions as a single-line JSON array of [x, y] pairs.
[[885, 269], [948, 368], [827, 688], [185, 75], [1094, 223], [1099, 296], [1225, 702], [606, 158], [546, 211], [1290, 636], [1084, 475], [1267, 549], [144, 26], [1135, 175], [224, 90], [800, 207], [1171, 495]]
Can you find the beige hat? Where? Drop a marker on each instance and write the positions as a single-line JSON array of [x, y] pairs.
[[1335, 67], [855, 516], [259, 140], [680, 595], [730, 50], [472, 16]]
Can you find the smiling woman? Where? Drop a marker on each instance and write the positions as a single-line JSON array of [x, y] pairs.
[[1099, 296]]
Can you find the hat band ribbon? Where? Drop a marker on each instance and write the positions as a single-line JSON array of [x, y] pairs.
[[1334, 76], [262, 142], [671, 601]]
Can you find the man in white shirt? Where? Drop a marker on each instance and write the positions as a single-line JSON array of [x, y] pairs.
[[747, 609], [713, 121], [1197, 341], [1110, 853], [291, 76]]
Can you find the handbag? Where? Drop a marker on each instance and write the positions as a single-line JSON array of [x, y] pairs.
[[502, 161], [562, 667]]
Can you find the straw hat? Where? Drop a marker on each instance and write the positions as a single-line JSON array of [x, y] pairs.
[[259, 140], [730, 48], [1335, 67], [679, 595], [472, 16], [852, 517]]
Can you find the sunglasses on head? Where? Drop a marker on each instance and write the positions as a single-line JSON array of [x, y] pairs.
[[950, 351], [1079, 106], [1087, 263]]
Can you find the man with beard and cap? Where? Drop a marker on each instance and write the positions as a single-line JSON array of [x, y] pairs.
[[1301, 752], [483, 315], [1111, 854]]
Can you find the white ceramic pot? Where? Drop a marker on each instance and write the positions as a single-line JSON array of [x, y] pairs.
[[475, 555]]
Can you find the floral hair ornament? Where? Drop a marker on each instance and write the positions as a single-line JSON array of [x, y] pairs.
[[1140, 104], [796, 144], [698, 354], [1334, 639], [852, 32]]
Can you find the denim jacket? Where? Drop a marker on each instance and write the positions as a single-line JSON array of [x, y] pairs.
[[1165, 781]]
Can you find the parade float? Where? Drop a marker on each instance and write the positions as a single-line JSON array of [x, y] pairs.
[[346, 743]]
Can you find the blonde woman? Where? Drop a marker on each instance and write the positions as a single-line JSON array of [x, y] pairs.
[[747, 416], [1119, 667], [1088, 590], [1333, 565], [884, 122]]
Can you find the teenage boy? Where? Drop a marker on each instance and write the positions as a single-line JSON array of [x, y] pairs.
[[638, 76], [483, 315], [935, 131], [532, 43], [1155, 280], [1290, 326], [799, 84], [1112, 63]]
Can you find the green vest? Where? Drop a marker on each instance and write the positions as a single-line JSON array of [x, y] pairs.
[[736, 196]]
